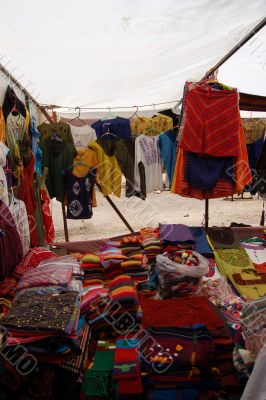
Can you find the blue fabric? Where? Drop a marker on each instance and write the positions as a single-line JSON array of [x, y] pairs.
[[254, 151], [35, 138], [202, 245], [167, 145], [170, 394], [203, 172], [120, 127]]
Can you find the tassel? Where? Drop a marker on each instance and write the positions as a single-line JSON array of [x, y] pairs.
[[262, 216]]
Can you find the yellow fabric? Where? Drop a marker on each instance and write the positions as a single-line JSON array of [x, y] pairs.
[[86, 159], [2, 127], [254, 129], [151, 126], [109, 172], [27, 119]]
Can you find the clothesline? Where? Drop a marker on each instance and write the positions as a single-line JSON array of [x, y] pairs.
[[52, 106]]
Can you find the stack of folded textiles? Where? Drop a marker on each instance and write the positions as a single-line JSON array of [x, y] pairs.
[[176, 237], [151, 243], [188, 349], [98, 382], [126, 370], [116, 311], [135, 263], [90, 264], [111, 259]]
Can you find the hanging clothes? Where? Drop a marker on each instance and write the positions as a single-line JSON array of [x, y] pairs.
[[35, 138], [79, 194], [86, 159], [10, 100], [47, 217], [3, 182], [27, 195], [168, 148], [212, 158], [124, 151], [2, 126], [58, 152], [82, 135], [109, 171], [38, 214], [254, 129], [11, 251], [147, 151], [211, 121], [152, 126], [19, 214], [15, 133], [117, 126]]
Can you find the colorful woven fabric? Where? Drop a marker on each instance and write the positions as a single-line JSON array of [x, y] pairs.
[[46, 276], [211, 121]]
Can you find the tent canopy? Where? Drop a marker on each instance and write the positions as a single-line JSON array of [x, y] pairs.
[[125, 52]]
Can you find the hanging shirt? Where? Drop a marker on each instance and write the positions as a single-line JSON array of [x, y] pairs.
[[151, 126], [86, 159], [109, 171], [82, 135], [2, 127], [167, 144], [19, 213], [35, 138], [57, 155], [147, 151], [118, 126], [3, 182], [79, 194], [15, 133]]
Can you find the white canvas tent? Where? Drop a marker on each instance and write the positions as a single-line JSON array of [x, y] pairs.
[[125, 52]]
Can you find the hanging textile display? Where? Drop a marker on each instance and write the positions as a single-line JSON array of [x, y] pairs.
[[58, 152], [212, 158], [2, 126], [82, 135], [79, 192]]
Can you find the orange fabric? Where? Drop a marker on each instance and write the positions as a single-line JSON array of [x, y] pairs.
[[242, 176], [2, 127], [85, 160]]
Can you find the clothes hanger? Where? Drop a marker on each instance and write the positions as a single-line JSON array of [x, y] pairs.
[[78, 117], [108, 131], [109, 115], [135, 114], [154, 113]]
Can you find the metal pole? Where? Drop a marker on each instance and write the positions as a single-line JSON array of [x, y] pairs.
[[206, 213]]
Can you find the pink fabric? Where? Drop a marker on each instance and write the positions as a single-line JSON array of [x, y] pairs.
[[46, 276]]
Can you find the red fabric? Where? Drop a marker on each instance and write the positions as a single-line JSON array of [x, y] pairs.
[[182, 312], [47, 217], [26, 193], [211, 121], [33, 259], [7, 287]]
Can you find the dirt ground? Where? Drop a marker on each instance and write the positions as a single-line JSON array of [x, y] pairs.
[[163, 207]]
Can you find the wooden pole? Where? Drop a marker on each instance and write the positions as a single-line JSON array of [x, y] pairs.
[[206, 213], [110, 201]]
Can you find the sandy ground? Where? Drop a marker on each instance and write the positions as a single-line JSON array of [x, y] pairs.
[[164, 207]]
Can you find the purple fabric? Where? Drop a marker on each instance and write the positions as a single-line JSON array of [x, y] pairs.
[[176, 233]]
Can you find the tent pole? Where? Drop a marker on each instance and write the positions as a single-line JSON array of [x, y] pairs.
[[238, 46], [206, 213]]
